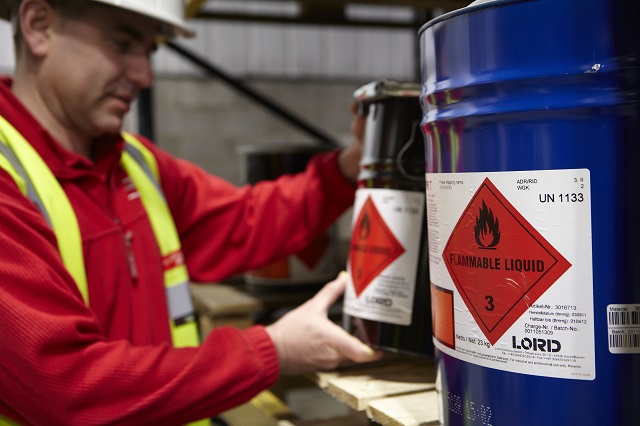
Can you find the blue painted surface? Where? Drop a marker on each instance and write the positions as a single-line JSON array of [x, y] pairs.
[[543, 85]]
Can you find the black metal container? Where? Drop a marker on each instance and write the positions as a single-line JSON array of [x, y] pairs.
[[387, 300]]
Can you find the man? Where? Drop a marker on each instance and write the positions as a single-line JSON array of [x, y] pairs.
[[96, 228]]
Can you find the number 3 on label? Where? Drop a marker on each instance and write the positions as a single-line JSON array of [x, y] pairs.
[[490, 307]]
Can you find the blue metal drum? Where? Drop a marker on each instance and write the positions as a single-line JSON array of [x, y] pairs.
[[531, 121]]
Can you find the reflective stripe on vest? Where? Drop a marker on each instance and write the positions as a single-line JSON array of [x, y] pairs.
[[141, 166], [40, 185]]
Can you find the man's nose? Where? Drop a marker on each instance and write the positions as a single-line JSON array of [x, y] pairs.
[[139, 71]]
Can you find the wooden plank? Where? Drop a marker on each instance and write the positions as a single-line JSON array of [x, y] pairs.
[[389, 362], [418, 409], [218, 305], [215, 300], [358, 392], [358, 388]]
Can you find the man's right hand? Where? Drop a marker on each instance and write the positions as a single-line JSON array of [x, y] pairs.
[[307, 341]]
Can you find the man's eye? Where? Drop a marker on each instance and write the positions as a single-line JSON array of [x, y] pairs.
[[123, 45]]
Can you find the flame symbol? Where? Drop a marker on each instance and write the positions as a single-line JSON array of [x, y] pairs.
[[487, 228], [365, 227]]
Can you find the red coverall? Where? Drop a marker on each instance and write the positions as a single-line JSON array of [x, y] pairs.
[[62, 362]]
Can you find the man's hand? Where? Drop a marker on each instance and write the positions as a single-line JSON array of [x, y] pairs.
[[349, 158], [307, 341], [349, 161]]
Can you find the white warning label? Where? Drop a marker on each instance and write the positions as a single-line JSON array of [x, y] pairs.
[[511, 270], [383, 255], [624, 328]]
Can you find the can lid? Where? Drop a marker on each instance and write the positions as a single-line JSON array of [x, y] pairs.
[[472, 7], [479, 2], [381, 89]]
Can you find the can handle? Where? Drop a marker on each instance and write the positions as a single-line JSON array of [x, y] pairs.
[[405, 147]]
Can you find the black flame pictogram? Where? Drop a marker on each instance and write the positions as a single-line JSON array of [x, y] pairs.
[[365, 227], [487, 228]]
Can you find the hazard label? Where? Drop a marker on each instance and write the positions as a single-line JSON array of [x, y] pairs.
[[383, 258], [510, 264], [499, 262], [373, 246]]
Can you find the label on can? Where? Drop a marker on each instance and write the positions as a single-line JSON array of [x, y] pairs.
[[511, 270], [383, 256], [624, 328]]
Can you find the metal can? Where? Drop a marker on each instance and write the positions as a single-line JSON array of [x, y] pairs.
[[387, 298]]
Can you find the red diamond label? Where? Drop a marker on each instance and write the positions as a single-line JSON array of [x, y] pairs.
[[373, 247], [499, 262]]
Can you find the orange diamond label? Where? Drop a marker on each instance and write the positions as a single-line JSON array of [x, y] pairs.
[[499, 262], [373, 247]]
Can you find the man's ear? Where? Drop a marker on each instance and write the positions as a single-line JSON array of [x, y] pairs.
[[36, 18]]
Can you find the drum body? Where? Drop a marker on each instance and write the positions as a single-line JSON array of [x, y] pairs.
[[530, 116]]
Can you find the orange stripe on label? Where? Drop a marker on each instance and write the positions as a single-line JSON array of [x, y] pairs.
[[442, 312], [172, 260]]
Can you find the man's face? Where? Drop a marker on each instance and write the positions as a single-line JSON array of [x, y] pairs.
[[95, 67]]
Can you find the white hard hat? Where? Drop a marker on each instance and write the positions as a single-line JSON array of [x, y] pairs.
[[168, 12]]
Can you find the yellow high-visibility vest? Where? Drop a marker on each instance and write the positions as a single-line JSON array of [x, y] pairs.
[[36, 181]]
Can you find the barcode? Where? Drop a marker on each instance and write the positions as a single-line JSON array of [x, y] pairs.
[[624, 318], [624, 341]]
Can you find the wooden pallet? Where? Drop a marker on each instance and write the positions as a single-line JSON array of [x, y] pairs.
[[219, 305], [395, 391]]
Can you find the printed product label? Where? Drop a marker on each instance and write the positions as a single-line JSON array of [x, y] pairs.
[[383, 256], [511, 270], [624, 328]]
